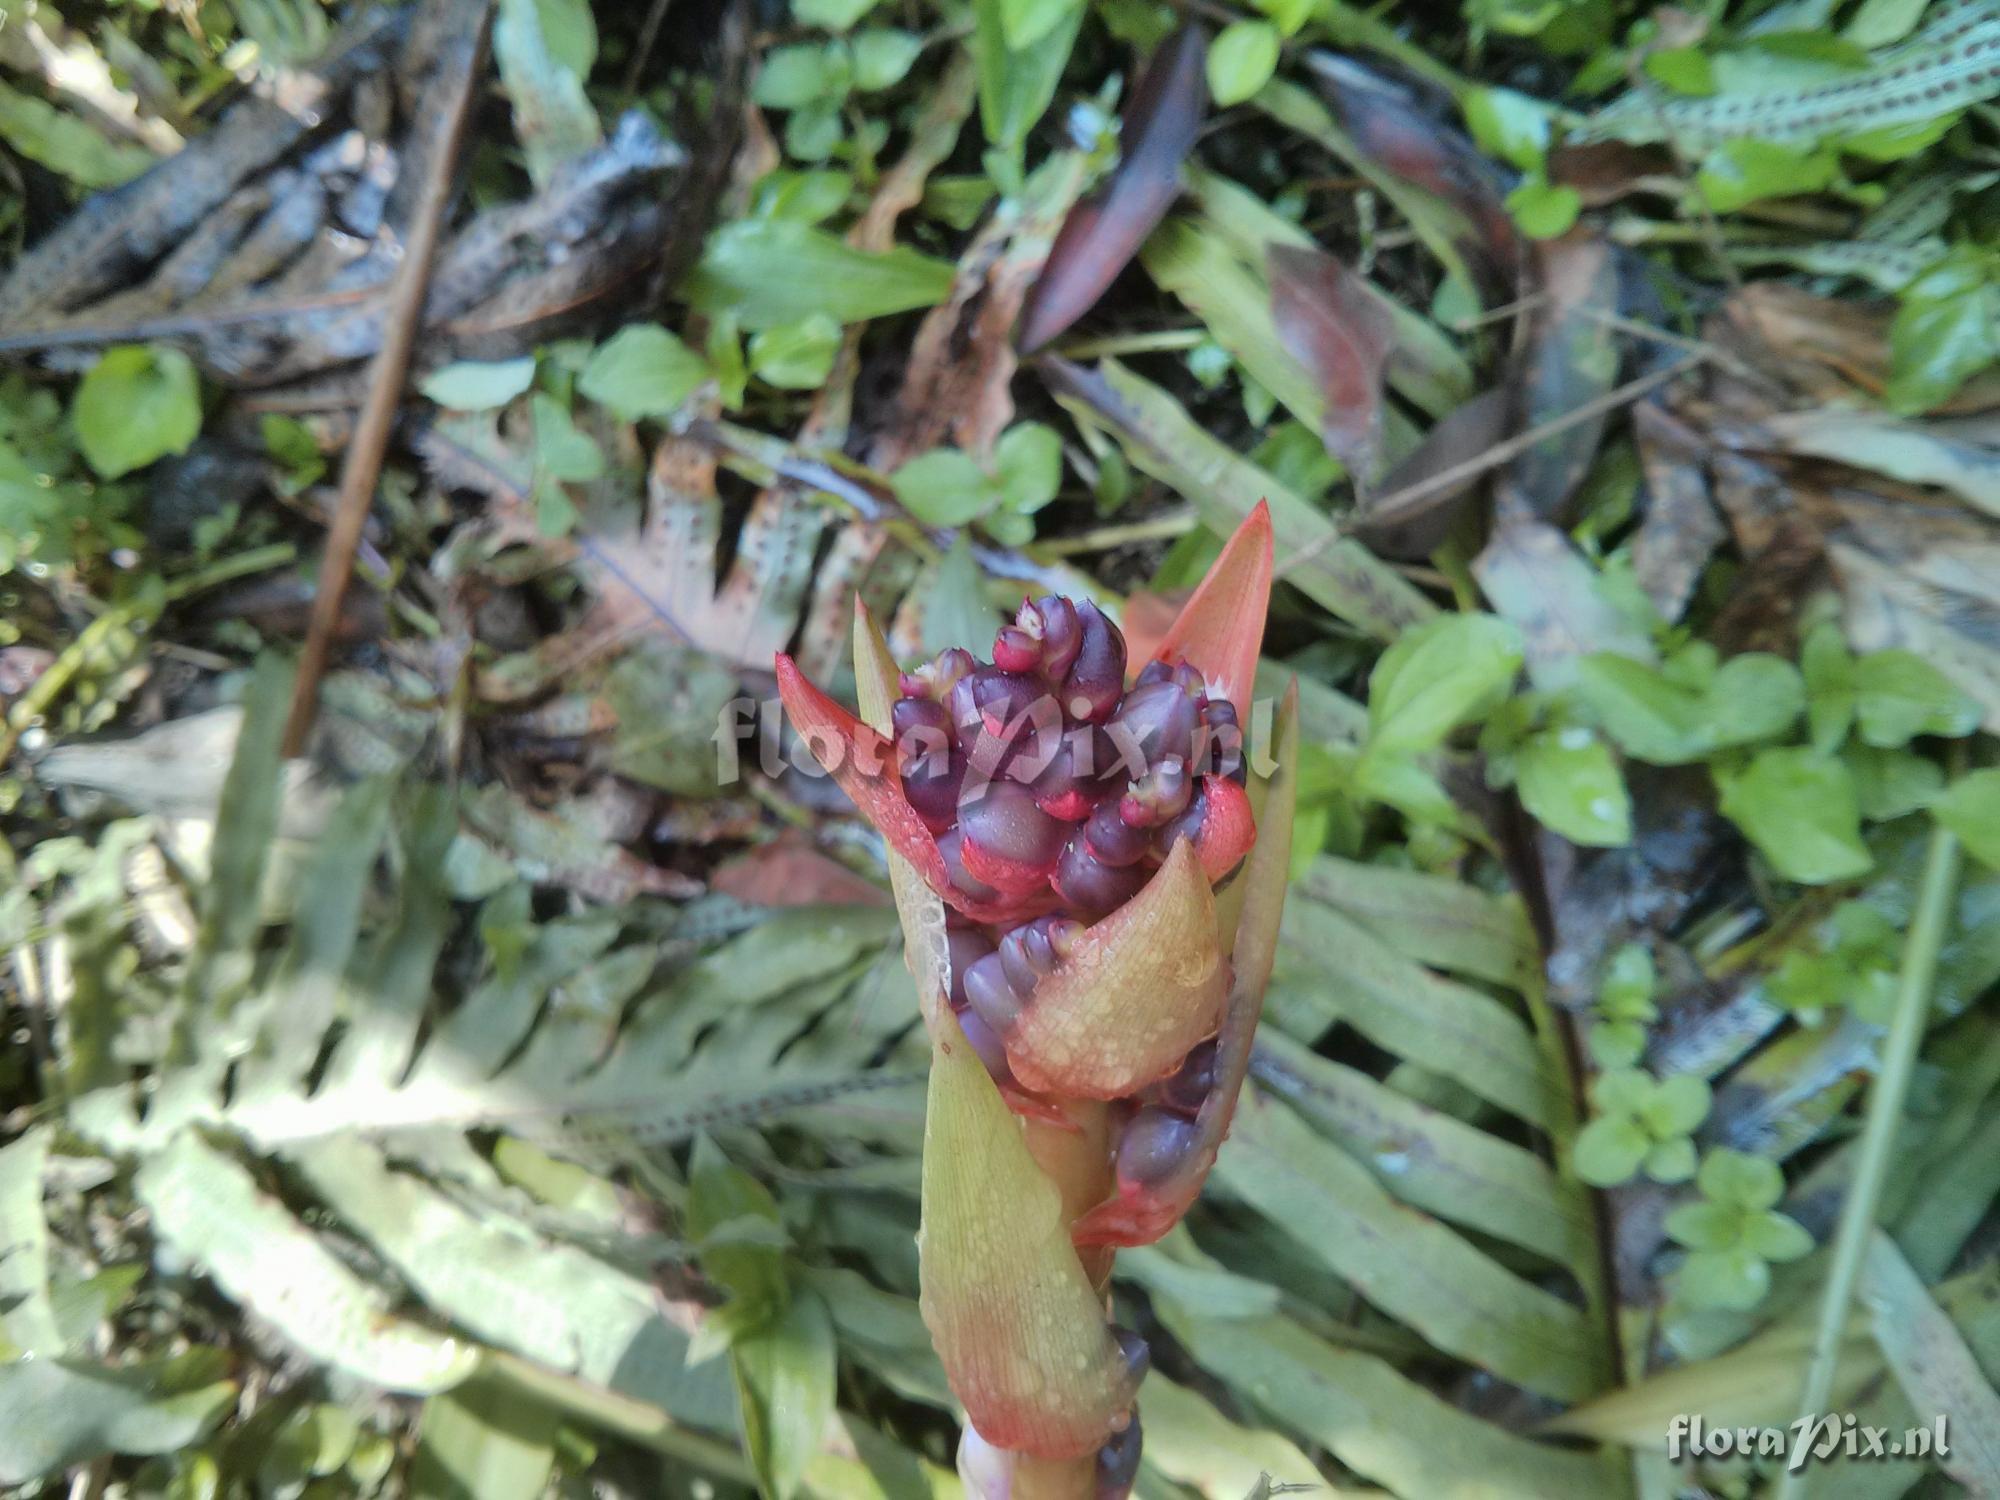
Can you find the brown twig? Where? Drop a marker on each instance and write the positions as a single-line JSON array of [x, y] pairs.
[[362, 466], [1498, 454]]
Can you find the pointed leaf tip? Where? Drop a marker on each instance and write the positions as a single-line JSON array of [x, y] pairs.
[[1221, 628]]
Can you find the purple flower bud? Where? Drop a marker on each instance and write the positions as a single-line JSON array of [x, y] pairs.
[[931, 768], [1154, 722], [1118, 1461], [1162, 793], [990, 994], [1067, 786], [1184, 1089], [1096, 681], [936, 678], [1187, 825], [1220, 751], [998, 714], [1052, 620], [986, 1045], [966, 946], [1153, 1146], [1092, 887], [1152, 672], [951, 845], [1009, 841], [1016, 649], [1029, 952], [1112, 840], [1138, 1355]]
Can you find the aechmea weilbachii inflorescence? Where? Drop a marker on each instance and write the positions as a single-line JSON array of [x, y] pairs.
[[1091, 913]]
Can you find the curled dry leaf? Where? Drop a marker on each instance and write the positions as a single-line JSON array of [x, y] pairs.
[[1572, 359], [1413, 528], [1680, 530], [1331, 323], [1393, 129], [1104, 231]]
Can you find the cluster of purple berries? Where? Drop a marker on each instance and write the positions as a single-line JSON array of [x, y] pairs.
[[1046, 783]]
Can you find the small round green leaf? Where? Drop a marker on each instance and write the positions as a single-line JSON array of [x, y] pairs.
[[139, 403], [1242, 60]]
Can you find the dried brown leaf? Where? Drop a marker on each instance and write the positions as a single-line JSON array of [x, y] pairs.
[[1330, 322]]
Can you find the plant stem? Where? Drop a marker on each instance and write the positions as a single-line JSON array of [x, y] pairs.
[[1878, 1132]]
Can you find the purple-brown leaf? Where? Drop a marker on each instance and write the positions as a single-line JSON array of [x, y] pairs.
[[1333, 324], [1105, 230], [1414, 527], [1392, 128]]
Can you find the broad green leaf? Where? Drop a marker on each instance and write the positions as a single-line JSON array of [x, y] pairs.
[[1947, 330], [945, 488], [1704, 1226], [642, 371], [882, 56], [1651, 718], [795, 356], [1569, 781], [1828, 668], [68, 144], [1685, 70], [1799, 808], [1777, 1237], [1241, 60], [952, 595], [486, 1439], [563, 451], [474, 385], [139, 403], [1741, 1178], [55, 1413], [1404, 1262], [1377, 1421], [1016, 86], [785, 1376], [1333, 968], [1676, 1105], [1027, 465], [1671, 1161], [1970, 808], [1025, 22], [808, 197], [1742, 172], [804, 73], [210, 1210], [1754, 696], [771, 271], [1609, 1149], [1510, 125], [1544, 210], [1937, 1370], [734, 1223], [1425, 1157], [831, 15], [1898, 696], [1449, 672], [1732, 1279], [537, 45], [1892, 783], [27, 1318]]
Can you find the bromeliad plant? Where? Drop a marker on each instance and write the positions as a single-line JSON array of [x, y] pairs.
[[1091, 914]]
